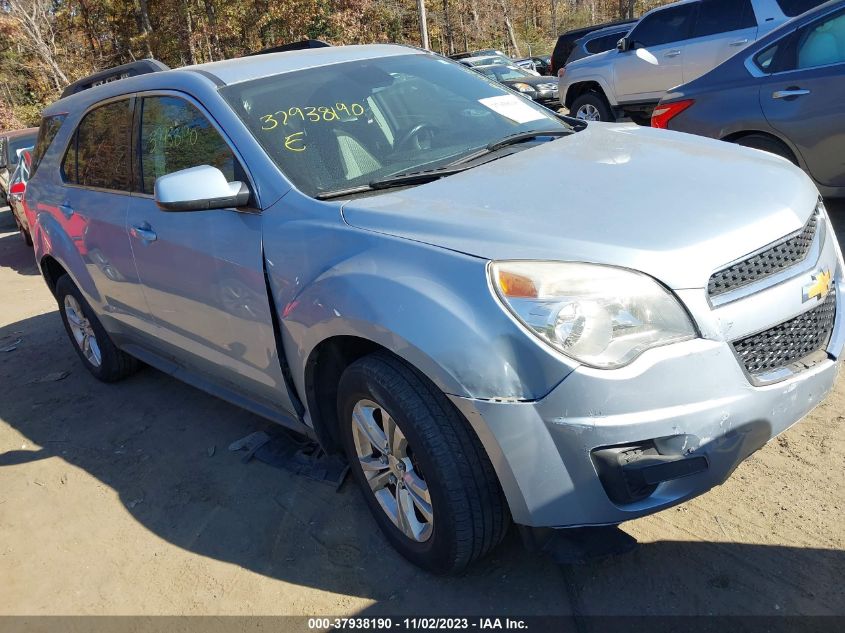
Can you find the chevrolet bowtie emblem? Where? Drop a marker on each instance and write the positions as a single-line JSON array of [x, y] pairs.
[[820, 287]]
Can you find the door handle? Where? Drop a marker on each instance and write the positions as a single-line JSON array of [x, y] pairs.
[[144, 233], [66, 210], [673, 53], [789, 93], [740, 42]]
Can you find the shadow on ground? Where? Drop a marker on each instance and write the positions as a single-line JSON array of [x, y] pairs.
[[14, 253], [161, 446]]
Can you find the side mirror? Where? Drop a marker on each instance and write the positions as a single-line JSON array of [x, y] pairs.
[[624, 45], [199, 189]]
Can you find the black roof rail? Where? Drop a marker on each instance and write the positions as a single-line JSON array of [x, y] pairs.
[[140, 67], [295, 46]]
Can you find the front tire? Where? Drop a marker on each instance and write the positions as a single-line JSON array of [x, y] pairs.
[[591, 106], [425, 475], [90, 340]]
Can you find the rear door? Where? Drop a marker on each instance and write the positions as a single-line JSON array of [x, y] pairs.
[[91, 207], [721, 28], [202, 271], [803, 101], [655, 64]]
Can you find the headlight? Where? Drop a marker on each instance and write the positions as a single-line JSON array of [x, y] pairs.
[[599, 315], [523, 87]]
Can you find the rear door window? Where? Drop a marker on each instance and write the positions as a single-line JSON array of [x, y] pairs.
[[822, 43], [176, 135], [664, 26], [98, 155], [723, 16]]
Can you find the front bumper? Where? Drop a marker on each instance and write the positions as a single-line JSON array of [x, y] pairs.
[[690, 404], [542, 450]]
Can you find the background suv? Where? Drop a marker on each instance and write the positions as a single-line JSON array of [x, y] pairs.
[[669, 46]]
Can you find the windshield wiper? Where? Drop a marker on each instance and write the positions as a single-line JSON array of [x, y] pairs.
[[406, 178], [401, 179], [513, 139]]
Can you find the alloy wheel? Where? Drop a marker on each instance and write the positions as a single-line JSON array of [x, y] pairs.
[[392, 471], [588, 112], [83, 332]]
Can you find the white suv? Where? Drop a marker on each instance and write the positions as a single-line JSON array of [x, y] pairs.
[[669, 46]]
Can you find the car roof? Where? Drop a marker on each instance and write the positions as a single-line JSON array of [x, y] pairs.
[[609, 29], [13, 134], [240, 69]]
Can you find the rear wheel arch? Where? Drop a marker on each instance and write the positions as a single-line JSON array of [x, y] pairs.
[[778, 145]]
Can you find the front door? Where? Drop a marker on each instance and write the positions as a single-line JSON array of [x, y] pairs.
[[655, 62], [202, 271], [804, 100]]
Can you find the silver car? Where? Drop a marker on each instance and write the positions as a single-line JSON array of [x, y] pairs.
[[347, 241]]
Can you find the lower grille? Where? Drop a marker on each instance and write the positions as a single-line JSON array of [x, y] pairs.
[[790, 342]]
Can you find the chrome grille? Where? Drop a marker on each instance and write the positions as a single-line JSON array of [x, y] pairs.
[[778, 257], [790, 342]]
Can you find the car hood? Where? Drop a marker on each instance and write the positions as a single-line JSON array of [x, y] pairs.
[[675, 206]]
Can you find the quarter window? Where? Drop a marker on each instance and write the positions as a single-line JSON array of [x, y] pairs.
[[99, 154], [765, 59], [175, 135], [723, 16], [49, 128], [604, 43], [664, 26]]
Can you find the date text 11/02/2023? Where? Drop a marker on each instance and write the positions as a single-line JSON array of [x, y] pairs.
[[417, 624]]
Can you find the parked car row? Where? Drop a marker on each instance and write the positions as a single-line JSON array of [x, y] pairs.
[[785, 95], [668, 46]]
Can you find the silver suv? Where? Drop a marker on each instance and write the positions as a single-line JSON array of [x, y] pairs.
[[669, 46], [342, 240]]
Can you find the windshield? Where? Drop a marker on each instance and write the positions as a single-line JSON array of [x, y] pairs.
[[345, 125]]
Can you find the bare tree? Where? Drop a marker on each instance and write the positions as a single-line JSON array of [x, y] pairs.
[[37, 20]]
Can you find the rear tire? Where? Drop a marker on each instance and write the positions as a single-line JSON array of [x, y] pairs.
[[461, 513], [99, 355], [591, 106], [767, 144]]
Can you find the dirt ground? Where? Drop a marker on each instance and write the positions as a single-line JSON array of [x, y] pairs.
[[123, 499]]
